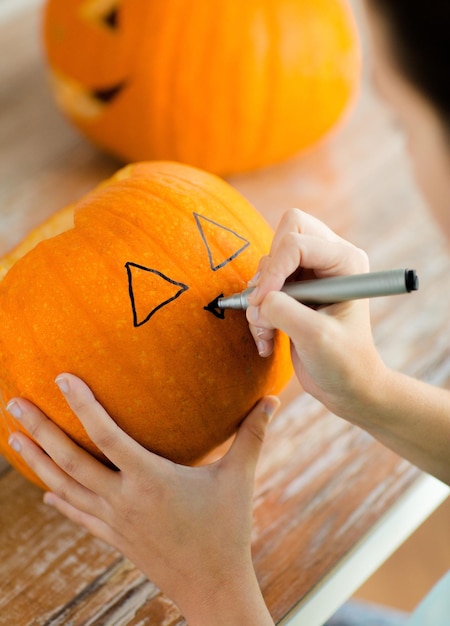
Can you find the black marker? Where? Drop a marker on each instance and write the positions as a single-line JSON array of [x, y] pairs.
[[337, 289]]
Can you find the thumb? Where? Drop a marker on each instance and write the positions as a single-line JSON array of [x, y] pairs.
[[247, 445]]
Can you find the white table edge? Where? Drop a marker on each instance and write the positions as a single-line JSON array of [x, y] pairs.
[[386, 535], [397, 524]]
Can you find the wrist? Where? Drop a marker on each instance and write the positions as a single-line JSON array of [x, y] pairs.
[[234, 599], [364, 392]]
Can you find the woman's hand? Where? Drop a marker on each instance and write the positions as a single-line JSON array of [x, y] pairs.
[[332, 349], [187, 528]]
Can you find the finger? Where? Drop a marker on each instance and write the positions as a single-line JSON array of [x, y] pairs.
[[263, 338], [293, 221], [331, 258], [52, 475], [286, 314], [91, 523], [247, 445], [116, 445], [307, 329], [61, 455], [299, 222]]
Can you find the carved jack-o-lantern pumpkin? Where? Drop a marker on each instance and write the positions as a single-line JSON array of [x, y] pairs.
[[226, 86], [122, 299]]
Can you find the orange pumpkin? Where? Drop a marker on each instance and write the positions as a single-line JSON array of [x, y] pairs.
[[225, 86], [120, 297]]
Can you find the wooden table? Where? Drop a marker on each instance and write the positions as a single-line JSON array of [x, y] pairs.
[[331, 503]]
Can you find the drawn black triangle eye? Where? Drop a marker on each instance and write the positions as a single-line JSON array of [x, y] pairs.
[[149, 291], [222, 244]]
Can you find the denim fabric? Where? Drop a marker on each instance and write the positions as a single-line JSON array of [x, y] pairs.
[[434, 610], [356, 613]]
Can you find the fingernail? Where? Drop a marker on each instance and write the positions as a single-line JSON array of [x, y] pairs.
[[253, 314], [261, 347], [253, 296], [49, 499], [254, 280], [62, 383], [14, 443], [271, 407], [14, 408]]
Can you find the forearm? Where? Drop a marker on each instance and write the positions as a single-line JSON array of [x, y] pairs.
[[333, 352], [410, 417]]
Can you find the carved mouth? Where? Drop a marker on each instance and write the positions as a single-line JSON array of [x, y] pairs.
[[108, 94], [213, 307], [79, 102]]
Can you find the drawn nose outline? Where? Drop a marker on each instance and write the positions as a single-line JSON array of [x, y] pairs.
[[213, 307]]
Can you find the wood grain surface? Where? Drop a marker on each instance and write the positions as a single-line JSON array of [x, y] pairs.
[[321, 483]]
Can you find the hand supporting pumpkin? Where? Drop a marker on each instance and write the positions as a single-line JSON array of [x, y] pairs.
[[186, 528], [333, 350]]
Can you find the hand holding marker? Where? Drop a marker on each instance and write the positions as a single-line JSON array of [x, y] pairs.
[[325, 291]]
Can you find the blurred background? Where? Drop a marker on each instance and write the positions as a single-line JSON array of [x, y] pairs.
[[409, 574]]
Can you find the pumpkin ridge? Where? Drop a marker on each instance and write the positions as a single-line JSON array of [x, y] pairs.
[[170, 90], [224, 145], [185, 116], [204, 295], [53, 363], [165, 248], [219, 85], [216, 197], [270, 76], [199, 189], [35, 345], [178, 384], [147, 193]]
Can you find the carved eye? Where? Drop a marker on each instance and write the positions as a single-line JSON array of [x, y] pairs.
[[111, 19], [81, 102], [102, 12], [150, 290]]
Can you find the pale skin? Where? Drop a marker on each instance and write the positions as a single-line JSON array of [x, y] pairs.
[[410, 417], [188, 529]]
